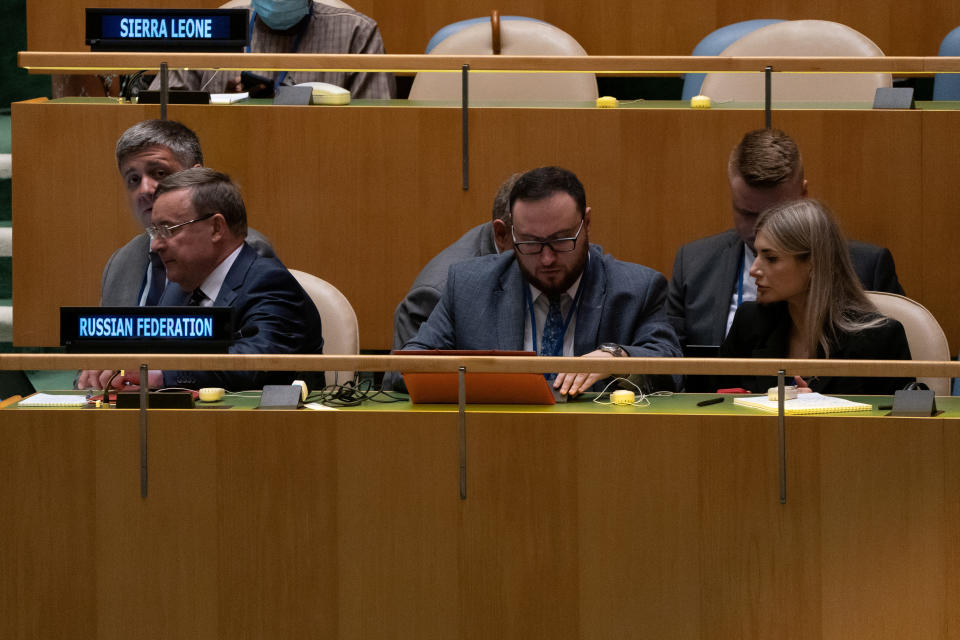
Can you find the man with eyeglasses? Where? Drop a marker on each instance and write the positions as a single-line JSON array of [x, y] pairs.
[[554, 294], [146, 153], [198, 225]]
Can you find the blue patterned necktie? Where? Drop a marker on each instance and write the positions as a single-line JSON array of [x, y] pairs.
[[552, 343], [158, 280]]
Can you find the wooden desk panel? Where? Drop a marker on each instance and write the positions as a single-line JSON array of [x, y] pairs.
[[365, 196], [348, 524], [617, 27]]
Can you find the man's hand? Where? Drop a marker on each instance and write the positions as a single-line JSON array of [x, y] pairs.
[[96, 379], [573, 384]]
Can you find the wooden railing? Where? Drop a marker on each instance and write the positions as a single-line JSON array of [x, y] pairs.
[[90, 62], [483, 364]]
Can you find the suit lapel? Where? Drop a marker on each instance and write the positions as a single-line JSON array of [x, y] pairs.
[[726, 274], [509, 301], [235, 276], [132, 288], [593, 290]]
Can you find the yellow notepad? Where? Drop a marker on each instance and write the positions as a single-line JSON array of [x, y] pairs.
[[804, 403]]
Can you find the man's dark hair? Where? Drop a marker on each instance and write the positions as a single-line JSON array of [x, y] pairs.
[[181, 141], [544, 182], [211, 192], [766, 158]]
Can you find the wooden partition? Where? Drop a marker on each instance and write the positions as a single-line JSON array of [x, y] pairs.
[[611, 27], [365, 196], [577, 524]]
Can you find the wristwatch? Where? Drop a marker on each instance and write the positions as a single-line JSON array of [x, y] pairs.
[[613, 349]]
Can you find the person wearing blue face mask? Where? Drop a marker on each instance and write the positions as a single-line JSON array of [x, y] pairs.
[[301, 26], [281, 15]]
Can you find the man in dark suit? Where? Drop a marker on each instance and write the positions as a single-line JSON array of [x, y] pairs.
[[711, 275], [554, 294], [146, 153], [198, 227]]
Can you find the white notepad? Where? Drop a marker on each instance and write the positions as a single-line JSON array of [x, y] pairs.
[[54, 400]]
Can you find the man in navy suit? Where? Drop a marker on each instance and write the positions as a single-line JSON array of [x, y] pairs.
[[146, 153], [198, 225], [711, 275], [554, 293]]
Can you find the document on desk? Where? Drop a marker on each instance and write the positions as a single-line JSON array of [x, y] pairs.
[[54, 400], [804, 403], [228, 98], [317, 406]]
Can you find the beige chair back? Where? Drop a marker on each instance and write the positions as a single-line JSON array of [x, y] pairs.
[[924, 334], [799, 38], [517, 37], [341, 334]]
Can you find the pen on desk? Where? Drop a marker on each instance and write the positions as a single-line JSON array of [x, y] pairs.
[[706, 403]]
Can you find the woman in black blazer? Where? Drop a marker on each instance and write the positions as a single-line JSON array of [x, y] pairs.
[[810, 304]]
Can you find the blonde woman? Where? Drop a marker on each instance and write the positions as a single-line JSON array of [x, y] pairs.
[[810, 304]]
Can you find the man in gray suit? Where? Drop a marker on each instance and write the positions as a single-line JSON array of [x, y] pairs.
[[489, 237], [711, 275], [146, 153], [554, 294]]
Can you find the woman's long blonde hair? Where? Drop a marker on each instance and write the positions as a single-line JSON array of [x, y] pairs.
[[836, 303]]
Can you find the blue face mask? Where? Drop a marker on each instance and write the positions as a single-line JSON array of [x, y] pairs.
[[281, 14]]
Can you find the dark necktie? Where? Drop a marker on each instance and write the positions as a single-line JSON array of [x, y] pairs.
[[196, 298], [552, 343], [158, 280]]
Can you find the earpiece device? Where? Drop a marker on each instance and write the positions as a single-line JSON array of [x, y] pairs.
[[211, 394], [304, 391], [700, 102], [623, 397], [789, 393]]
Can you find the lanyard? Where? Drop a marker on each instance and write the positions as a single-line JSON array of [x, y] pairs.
[[566, 321]]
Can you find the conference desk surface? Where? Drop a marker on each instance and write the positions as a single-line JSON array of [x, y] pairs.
[[651, 522], [662, 403], [923, 105], [365, 195]]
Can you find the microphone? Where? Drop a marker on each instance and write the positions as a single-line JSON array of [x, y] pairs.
[[246, 332]]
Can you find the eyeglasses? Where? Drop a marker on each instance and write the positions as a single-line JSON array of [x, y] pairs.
[[557, 245], [165, 231]]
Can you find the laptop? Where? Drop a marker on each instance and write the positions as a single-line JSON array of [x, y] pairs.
[[481, 388]]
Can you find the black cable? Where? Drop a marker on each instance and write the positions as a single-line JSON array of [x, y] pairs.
[[352, 394]]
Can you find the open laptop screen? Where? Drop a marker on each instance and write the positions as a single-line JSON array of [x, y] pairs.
[[481, 388]]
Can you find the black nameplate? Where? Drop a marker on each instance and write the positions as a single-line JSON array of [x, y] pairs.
[[223, 30], [146, 329], [174, 97], [280, 396], [914, 403], [893, 98], [293, 95], [156, 400]]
